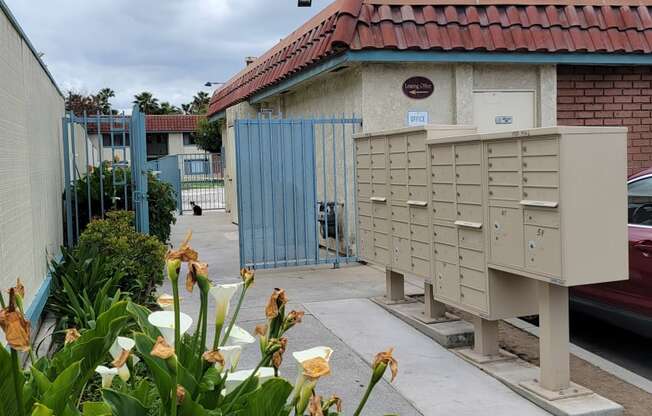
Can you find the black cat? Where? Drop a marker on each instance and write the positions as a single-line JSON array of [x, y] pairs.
[[196, 209]]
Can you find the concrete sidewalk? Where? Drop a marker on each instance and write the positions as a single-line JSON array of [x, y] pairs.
[[431, 381]]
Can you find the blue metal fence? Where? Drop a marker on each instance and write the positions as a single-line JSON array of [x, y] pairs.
[[295, 191], [166, 169]]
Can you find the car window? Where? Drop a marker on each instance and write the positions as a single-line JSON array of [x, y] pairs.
[[640, 202]]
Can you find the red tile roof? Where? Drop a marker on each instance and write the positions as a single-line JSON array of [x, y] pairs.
[[600, 26], [173, 123]]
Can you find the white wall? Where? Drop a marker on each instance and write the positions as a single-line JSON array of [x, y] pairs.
[[31, 182]]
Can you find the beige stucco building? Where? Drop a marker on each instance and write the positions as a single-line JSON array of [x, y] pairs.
[[31, 184]]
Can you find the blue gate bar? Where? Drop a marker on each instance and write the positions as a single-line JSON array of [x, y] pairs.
[[336, 205], [346, 193], [74, 179], [66, 172], [100, 145], [355, 200], [88, 169], [325, 196]]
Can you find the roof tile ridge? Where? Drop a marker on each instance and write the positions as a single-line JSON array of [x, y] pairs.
[[346, 23]]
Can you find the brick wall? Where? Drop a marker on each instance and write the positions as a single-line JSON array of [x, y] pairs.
[[610, 96]]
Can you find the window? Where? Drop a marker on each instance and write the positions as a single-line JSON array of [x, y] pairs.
[[639, 202], [196, 167], [157, 145], [117, 139], [189, 139]]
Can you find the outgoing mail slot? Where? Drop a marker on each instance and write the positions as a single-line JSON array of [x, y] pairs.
[[496, 164], [446, 281], [470, 213], [442, 174], [446, 253], [508, 193], [469, 194], [471, 259], [443, 210], [473, 278], [542, 217], [541, 179], [468, 153], [506, 226], [503, 148], [378, 161], [400, 213], [399, 193], [397, 160], [444, 234], [471, 239], [417, 177], [397, 145], [540, 147], [441, 155], [401, 229], [421, 250], [398, 176], [419, 215], [468, 174], [417, 193], [443, 192], [543, 250], [504, 178], [419, 233], [540, 163]]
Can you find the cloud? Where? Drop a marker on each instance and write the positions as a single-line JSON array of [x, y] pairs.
[[168, 47]]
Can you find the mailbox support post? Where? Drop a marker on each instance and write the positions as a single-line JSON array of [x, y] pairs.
[[434, 310], [394, 286], [554, 337], [485, 337]]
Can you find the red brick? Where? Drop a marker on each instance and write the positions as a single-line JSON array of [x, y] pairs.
[[646, 106], [571, 77], [644, 114], [643, 142], [613, 91], [613, 77], [614, 106], [623, 84], [640, 156], [622, 114], [604, 84], [621, 99], [565, 84], [632, 91], [584, 114], [613, 122], [585, 100], [593, 107], [569, 92], [565, 114], [586, 84], [596, 91], [570, 107], [604, 99], [632, 77], [604, 114], [566, 100], [593, 77], [641, 84], [572, 122], [631, 106], [593, 122], [641, 99]]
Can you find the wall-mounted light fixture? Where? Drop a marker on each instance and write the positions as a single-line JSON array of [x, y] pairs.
[[305, 3]]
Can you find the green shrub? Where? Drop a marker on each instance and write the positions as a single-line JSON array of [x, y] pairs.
[[137, 256], [83, 287], [161, 198]]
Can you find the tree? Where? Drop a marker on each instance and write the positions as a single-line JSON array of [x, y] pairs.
[[208, 136], [78, 102], [186, 108], [167, 108], [102, 98], [200, 102], [147, 103]]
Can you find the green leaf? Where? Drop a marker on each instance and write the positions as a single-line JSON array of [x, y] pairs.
[[122, 404], [57, 396], [140, 314], [96, 409], [7, 392], [158, 368], [269, 399], [210, 379], [41, 410], [40, 381]]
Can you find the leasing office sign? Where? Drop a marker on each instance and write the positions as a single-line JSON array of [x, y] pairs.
[[418, 87]]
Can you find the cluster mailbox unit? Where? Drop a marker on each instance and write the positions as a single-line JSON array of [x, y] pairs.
[[501, 223]]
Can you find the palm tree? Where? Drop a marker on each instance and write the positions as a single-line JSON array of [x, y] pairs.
[[186, 108], [147, 103], [103, 103], [200, 102], [167, 108]]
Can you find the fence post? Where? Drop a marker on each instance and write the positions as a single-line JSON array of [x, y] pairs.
[[66, 174]]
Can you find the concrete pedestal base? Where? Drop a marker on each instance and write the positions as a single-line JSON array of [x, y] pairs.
[[473, 356], [575, 390]]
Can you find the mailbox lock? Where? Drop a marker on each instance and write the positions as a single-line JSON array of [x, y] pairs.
[[490, 150], [491, 179], [525, 194], [458, 194], [524, 178], [459, 213], [457, 175], [461, 295], [491, 164], [461, 257], [525, 148], [432, 156], [525, 164], [491, 192], [457, 156], [496, 226]]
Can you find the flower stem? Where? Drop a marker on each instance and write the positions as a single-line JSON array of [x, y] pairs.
[[235, 315], [204, 323], [364, 399], [177, 315], [18, 388], [240, 388]]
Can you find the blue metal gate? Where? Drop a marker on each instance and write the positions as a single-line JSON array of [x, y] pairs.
[[166, 169], [295, 192], [104, 169]]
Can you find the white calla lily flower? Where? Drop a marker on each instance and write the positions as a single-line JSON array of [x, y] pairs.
[[124, 373], [164, 321], [107, 375], [166, 302], [123, 343], [223, 295], [305, 355], [231, 355], [233, 380], [239, 336]]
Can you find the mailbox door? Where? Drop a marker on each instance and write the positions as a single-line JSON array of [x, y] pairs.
[[506, 243]]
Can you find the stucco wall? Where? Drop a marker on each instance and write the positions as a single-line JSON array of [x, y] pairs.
[[373, 91], [31, 182]]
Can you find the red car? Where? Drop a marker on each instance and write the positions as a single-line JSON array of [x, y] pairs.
[[628, 303]]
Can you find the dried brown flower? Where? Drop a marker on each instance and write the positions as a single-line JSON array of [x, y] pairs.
[[294, 317], [277, 300], [71, 336], [277, 357], [386, 358], [195, 269], [314, 407], [121, 359], [247, 276], [185, 253], [261, 330], [20, 289], [213, 357], [15, 326], [162, 349], [181, 394]]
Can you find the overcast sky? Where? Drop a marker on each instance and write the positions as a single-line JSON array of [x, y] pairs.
[[168, 47]]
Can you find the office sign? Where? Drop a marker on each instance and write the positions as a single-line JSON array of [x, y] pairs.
[[418, 87]]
